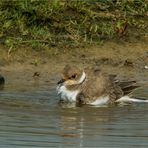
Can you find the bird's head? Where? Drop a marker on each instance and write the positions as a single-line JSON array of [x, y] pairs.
[[72, 75]]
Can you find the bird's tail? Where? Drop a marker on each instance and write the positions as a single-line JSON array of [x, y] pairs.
[[128, 99]]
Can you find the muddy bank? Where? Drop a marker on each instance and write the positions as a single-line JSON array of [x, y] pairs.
[[126, 59]]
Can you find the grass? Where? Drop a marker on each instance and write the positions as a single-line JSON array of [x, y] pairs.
[[69, 23]]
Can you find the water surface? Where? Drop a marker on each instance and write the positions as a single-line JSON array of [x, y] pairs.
[[31, 117]]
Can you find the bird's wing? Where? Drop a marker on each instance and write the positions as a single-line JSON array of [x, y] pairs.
[[127, 86]]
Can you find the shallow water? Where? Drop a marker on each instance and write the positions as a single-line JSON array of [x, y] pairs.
[[30, 116]]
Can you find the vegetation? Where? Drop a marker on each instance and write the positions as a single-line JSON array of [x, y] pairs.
[[41, 24]]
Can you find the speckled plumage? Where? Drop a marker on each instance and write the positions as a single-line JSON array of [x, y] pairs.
[[96, 86]]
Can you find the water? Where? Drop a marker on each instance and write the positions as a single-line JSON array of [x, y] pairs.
[[30, 117]]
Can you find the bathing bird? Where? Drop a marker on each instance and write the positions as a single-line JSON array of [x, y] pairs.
[[94, 87]]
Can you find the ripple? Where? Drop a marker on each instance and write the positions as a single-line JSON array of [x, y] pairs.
[[31, 117]]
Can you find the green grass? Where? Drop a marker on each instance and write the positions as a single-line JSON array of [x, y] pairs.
[[41, 24]]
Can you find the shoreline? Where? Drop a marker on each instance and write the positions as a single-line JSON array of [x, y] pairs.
[[126, 59]]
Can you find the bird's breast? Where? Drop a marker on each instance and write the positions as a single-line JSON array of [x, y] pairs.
[[67, 95]]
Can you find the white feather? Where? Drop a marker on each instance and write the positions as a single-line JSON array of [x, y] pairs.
[[100, 101], [82, 78], [66, 94], [128, 99]]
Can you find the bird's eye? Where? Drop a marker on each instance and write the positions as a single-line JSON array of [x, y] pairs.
[[73, 76]]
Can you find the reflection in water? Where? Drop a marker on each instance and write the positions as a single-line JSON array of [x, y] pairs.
[[31, 117], [71, 128], [82, 127]]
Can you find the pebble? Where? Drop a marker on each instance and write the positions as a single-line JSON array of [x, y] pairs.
[[145, 67]]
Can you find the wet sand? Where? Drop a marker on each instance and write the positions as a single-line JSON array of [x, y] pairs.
[[126, 59]]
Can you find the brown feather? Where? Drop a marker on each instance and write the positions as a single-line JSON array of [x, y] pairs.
[[128, 86]]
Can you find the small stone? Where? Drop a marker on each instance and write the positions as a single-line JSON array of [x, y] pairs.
[[145, 67]]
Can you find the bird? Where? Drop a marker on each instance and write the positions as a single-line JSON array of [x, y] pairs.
[[94, 87], [2, 82]]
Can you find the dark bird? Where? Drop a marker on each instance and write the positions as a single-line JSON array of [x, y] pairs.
[[2, 82]]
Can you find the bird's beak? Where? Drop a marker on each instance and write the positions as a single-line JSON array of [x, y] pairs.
[[61, 81]]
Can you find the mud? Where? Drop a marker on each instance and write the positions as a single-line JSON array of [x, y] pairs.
[[127, 59]]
